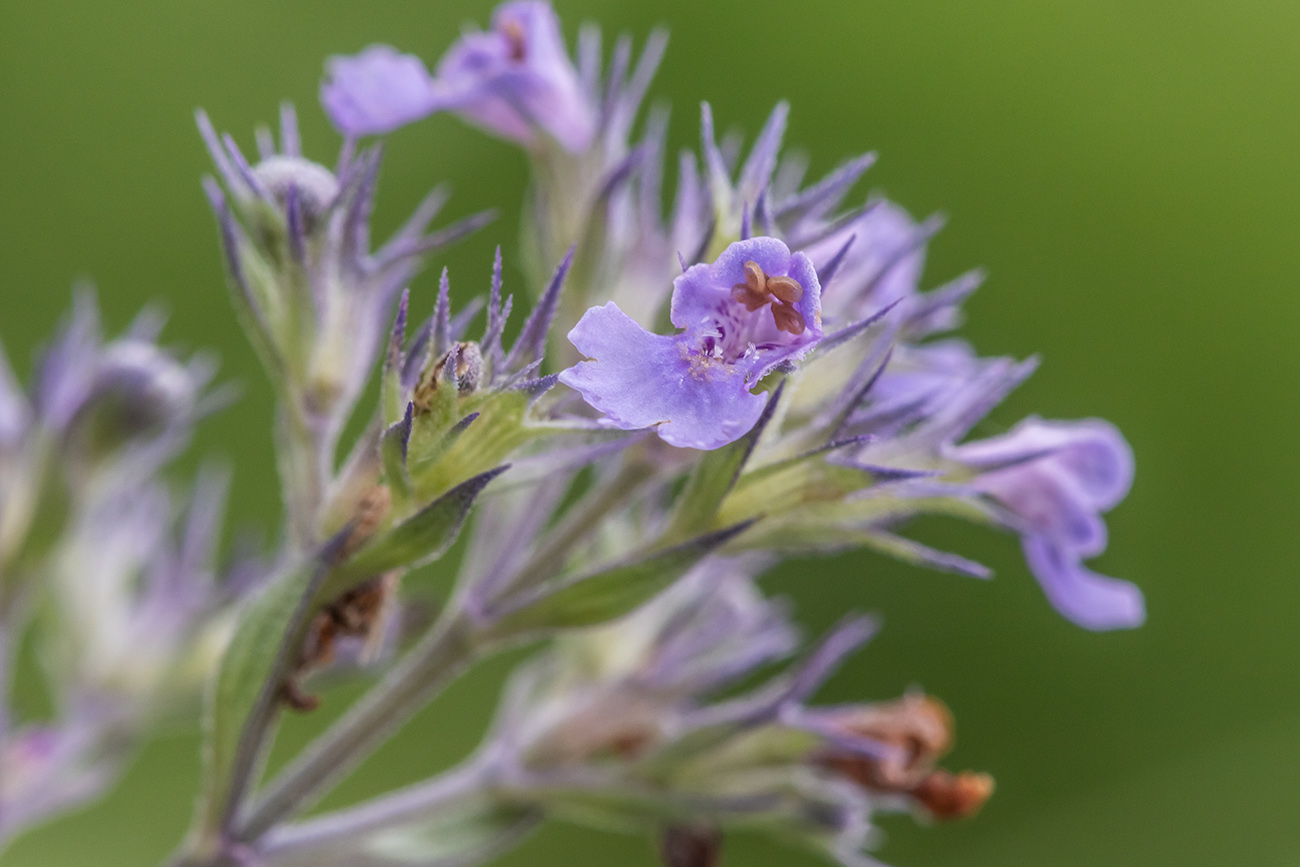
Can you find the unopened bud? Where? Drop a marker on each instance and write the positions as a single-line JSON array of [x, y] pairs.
[[316, 186], [467, 361], [469, 367], [137, 392]]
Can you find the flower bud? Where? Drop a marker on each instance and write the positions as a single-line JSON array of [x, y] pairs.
[[467, 365], [315, 186], [136, 394]]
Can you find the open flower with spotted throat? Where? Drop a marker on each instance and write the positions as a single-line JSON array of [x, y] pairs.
[[758, 305]]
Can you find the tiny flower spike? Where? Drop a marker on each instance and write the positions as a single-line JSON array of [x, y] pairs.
[[313, 298], [618, 527], [757, 306]]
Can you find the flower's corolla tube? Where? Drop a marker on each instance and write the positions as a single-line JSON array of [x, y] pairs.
[[1054, 479], [517, 81], [758, 305]]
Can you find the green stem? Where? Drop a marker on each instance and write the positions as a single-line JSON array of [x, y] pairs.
[[425, 670]]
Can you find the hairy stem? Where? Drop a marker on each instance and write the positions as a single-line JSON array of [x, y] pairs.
[[305, 463], [421, 674]]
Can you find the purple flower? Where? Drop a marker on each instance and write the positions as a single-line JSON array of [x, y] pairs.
[[882, 265], [517, 78], [756, 306], [1055, 478], [377, 91]]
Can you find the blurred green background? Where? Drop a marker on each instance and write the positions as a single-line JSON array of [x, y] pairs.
[[1127, 172]]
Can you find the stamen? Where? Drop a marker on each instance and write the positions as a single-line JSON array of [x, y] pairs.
[[755, 279], [785, 288], [759, 288], [745, 295], [788, 319], [514, 34]]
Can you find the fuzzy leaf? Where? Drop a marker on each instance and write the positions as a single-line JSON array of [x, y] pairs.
[[392, 449], [391, 379], [243, 696], [422, 537]]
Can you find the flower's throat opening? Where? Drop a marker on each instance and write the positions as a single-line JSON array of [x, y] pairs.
[[782, 292]]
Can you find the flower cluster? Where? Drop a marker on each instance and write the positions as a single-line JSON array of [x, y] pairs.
[[694, 396], [106, 567]]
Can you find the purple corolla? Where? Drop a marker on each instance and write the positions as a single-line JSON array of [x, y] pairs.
[[515, 80], [1055, 478], [377, 91], [755, 307]]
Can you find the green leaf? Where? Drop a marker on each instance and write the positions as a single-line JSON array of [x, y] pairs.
[[392, 449], [791, 486], [390, 378], [439, 455], [420, 538], [615, 591], [242, 700], [715, 475]]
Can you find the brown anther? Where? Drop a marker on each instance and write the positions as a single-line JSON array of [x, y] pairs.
[[788, 319], [755, 279], [953, 796], [690, 846], [747, 296], [514, 34], [785, 288]]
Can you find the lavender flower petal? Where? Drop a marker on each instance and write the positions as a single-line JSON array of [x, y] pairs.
[[377, 91], [1092, 601], [517, 79], [639, 379]]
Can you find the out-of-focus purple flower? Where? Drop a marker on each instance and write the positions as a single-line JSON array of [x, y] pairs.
[[14, 411], [517, 79], [45, 769], [377, 91], [126, 399], [1055, 478], [754, 307], [881, 266]]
